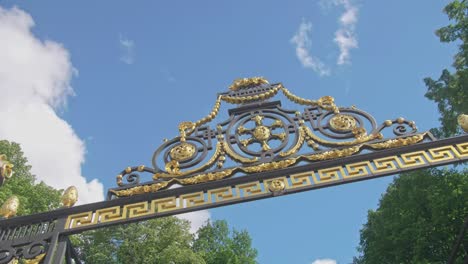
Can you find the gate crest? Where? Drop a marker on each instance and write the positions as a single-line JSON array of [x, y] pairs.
[[260, 136]]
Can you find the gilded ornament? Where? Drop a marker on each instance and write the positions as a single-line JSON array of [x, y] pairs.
[[276, 186], [399, 142], [270, 166], [128, 170], [140, 189], [334, 154], [119, 179], [388, 122], [182, 151], [69, 196], [261, 133], [6, 168], [172, 167], [463, 122], [141, 168], [10, 207], [35, 260], [400, 120], [342, 122], [207, 177], [297, 146], [247, 83]]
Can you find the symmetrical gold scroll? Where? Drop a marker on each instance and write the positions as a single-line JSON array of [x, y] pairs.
[[254, 189], [183, 152]]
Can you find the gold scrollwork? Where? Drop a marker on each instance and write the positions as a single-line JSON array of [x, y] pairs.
[[398, 142], [206, 177], [297, 146], [333, 154], [141, 189], [236, 157], [270, 166], [360, 138], [173, 166]]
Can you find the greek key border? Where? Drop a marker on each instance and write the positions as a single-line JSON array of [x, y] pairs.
[[258, 189]]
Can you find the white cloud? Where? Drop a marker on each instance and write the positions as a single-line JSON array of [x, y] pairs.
[[345, 36], [324, 261], [302, 41], [34, 83], [128, 50], [197, 219]]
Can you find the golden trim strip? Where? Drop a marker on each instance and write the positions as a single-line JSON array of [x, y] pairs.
[[239, 192]]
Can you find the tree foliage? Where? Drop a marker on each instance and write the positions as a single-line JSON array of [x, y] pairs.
[[216, 245], [34, 197], [418, 219], [450, 91], [165, 240], [422, 212]]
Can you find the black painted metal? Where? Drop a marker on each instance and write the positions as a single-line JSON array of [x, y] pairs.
[[28, 236]]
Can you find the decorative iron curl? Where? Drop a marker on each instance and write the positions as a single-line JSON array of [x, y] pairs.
[[131, 176], [34, 249], [401, 127]]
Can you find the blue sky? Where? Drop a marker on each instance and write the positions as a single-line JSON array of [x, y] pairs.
[[137, 70]]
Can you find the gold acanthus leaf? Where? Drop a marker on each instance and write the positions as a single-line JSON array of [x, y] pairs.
[[141, 189]]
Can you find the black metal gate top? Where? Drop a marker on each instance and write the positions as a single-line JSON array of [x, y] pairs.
[[261, 150]]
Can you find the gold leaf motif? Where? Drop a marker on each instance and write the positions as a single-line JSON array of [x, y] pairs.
[[270, 166], [140, 189], [399, 142], [243, 83], [206, 177], [334, 154]]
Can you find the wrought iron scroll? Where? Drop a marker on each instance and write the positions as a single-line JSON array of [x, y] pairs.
[[260, 136]]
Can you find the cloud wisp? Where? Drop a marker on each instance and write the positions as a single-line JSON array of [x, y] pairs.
[[127, 47], [345, 36], [35, 78], [302, 42], [324, 261]]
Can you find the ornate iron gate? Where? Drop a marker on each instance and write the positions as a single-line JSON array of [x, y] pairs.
[[262, 150]]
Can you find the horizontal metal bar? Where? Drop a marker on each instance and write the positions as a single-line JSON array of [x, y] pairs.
[[64, 212]]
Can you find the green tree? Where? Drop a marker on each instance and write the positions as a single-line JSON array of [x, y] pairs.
[[418, 219], [161, 240], [34, 197], [165, 240], [421, 214], [216, 244], [450, 91]]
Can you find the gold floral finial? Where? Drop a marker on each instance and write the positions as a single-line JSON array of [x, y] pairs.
[[6, 168], [247, 82], [69, 196], [10, 207], [463, 122]]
